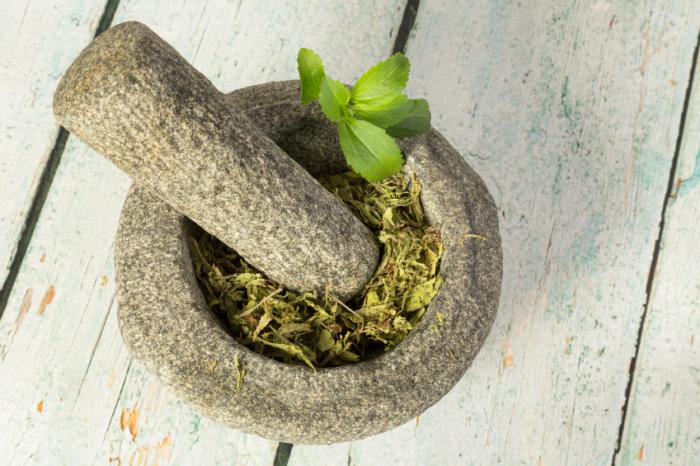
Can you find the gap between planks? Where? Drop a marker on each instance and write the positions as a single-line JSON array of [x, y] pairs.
[[45, 182], [284, 450], [408, 21], [406, 26], [656, 253]]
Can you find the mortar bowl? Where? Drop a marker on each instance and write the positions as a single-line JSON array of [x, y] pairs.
[[167, 325]]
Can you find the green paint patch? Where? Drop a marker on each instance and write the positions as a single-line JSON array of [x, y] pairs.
[[564, 100], [694, 180], [586, 247], [651, 168], [585, 250], [560, 306], [572, 115], [561, 312], [537, 131], [196, 423]]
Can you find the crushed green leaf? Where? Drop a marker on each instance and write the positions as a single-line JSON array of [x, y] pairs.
[[241, 372], [323, 331]]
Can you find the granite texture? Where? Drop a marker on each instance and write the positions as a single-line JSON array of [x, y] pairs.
[[166, 323], [134, 99]]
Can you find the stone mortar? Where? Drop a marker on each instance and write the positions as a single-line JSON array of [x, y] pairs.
[[167, 325]]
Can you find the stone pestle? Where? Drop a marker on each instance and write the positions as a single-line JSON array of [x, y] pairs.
[[135, 100]]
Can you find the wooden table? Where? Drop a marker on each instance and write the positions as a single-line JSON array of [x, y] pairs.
[[582, 117]]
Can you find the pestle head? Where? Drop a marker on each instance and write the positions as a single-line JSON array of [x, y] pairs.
[[131, 97]]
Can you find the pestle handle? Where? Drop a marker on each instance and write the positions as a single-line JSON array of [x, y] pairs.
[[135, 100]]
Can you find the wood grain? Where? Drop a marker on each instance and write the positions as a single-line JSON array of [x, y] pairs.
[[99, 406], [663, 416], [39, 40], [570, 111]]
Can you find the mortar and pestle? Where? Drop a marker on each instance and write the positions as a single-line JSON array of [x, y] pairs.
[[200, 157]]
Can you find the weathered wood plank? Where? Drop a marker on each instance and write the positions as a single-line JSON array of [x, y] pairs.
[[67, 385], [49, 343], [570, 112], [39, 40], [663, 415]]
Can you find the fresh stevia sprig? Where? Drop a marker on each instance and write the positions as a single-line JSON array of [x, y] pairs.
[[370, 115]]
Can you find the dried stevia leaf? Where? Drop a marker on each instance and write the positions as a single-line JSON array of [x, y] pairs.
[[241, 372], [292, 350], [422, 294], [262, 323], [321, 330], [325, 340]]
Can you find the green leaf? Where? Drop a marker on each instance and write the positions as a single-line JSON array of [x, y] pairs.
[[310, 73], [422, 294], [416, 122], [387, 77], [384, 112], [325, 340], [369, 150], [334, 98]]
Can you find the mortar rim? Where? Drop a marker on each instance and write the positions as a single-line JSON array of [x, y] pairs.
[[450, 167]]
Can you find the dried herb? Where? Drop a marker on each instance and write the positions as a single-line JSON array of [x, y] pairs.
[[322, 330], [241, 372]]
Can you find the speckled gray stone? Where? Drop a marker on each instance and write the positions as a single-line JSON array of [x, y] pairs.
[[134, 99], [167, 325]]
